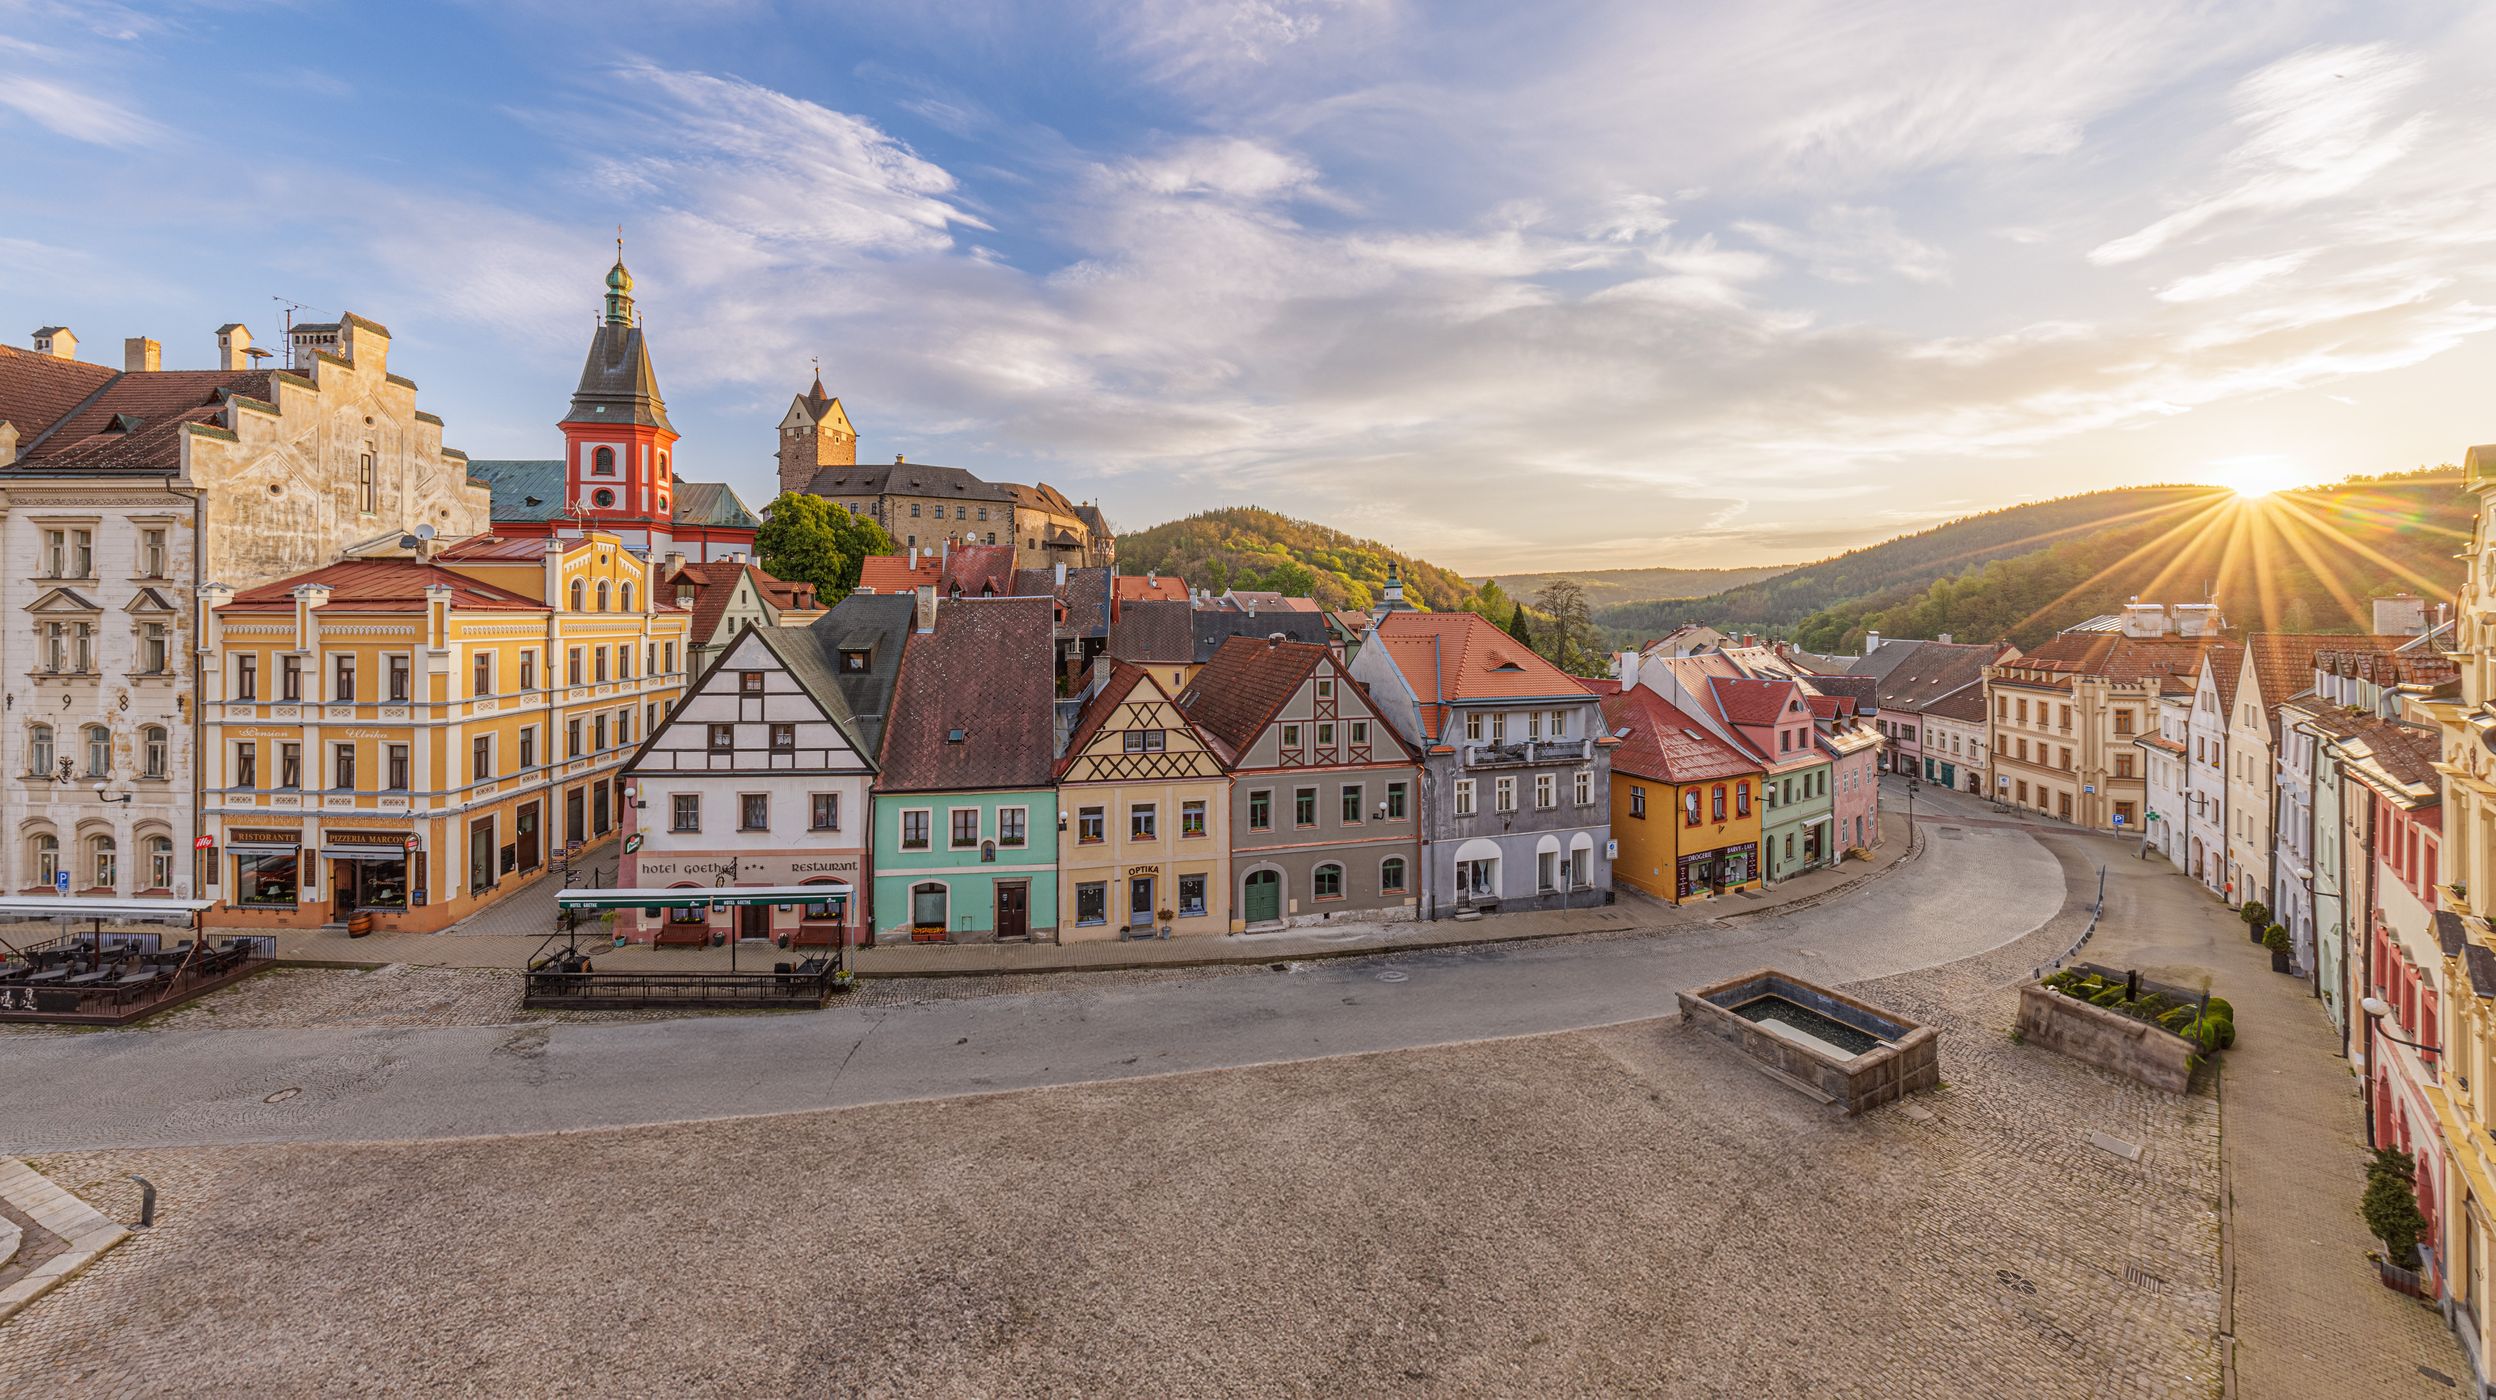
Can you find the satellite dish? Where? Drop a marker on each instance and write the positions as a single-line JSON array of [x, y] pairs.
[[424, 532]]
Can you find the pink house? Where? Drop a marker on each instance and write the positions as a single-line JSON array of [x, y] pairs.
[[1854, 750]]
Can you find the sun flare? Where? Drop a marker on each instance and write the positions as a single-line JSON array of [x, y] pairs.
[[2252, 478]]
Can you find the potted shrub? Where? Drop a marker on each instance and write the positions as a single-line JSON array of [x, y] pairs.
[[2390, 1207], [2256, 915], [2275, 938]]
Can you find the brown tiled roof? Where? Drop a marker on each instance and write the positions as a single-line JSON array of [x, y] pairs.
[[2283, 662], [123, 422], [2227, 662], [1154, 632], [1666, 744], [1134, 588], [1828, 706], [1085, 596], [1123, 679], [1930, 670], [963, 570], [497, 549], [391, 585], [974, 708], [1463, 656], [1247, 683], [715, 586], [1965, 704], [2176, 661]]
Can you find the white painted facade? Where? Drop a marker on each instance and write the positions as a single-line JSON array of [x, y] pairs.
[[2166, 781], [2205, 787], [750, 782]]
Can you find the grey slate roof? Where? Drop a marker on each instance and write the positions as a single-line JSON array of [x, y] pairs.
[[2482, 964], [1154, 630], [1086, 596], [904, 479], [523, 489], [711, 503], [1928, 671], [858, 702], [617, 383], [2450, 933], [1214, 626]]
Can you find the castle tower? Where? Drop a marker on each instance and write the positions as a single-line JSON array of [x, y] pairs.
[[617, 442], [814, 434]]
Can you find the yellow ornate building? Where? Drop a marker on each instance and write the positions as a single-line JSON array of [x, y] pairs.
[[1142, 807], [408, 738]]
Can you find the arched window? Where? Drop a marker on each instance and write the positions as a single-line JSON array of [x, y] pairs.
[[43, 853], [1326, 882], [152, 751], [159, 853], [1391, 875], [103, 862], [602, 595], [628, 597], [99, 750], [39, 749], [580, 591], [602, 461]]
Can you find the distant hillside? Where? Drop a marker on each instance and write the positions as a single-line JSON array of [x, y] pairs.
[[1902, 566], [1612, 587], [1247, 548], [2304, 561]]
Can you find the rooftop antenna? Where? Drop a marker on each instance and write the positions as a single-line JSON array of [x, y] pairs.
[[291, 308]]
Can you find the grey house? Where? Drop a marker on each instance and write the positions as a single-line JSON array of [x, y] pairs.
[[1516, 765], [1325, 796]]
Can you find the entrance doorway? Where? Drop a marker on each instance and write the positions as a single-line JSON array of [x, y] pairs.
[[1014, 909], [753, 921], [600, 817], [341, 888], [1261, 895], [1140, 901], [573, 831], [528, 837]]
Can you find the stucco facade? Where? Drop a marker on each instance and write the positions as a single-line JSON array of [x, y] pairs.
[[1147, 812]]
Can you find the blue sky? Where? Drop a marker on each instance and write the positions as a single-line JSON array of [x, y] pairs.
[[1506, 286]]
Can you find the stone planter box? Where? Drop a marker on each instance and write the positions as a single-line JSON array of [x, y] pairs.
[[1900, 1058], [2110, 1040]]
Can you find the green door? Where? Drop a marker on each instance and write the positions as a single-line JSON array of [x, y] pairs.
[[1264, 901]]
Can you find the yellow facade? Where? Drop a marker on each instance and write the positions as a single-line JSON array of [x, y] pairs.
[[409, 740], [1665, 855], [1144, 803]]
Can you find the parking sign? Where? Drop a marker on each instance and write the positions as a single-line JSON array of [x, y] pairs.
[[60, 882]]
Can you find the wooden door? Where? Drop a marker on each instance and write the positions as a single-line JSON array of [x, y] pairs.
[[1013, 909], [528, 837], [753, 921], [1263, 896]]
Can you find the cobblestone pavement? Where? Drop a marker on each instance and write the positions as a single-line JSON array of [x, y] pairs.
[[2310, 1317], [1629, 1209]]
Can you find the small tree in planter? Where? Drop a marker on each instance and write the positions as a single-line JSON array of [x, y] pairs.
[[2390, 1206], [2256, 915], [2275, 938]]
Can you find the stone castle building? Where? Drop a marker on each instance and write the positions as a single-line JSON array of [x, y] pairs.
[[924, 506], [122, 493]]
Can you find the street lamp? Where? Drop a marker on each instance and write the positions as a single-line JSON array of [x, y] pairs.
[[101, 796], [2376, 1009]]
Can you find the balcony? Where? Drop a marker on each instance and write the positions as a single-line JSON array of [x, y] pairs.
[[1530, 752]]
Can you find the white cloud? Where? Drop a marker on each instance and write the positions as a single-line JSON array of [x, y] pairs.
[[2230, 278], [79, 115], [1853, 243]]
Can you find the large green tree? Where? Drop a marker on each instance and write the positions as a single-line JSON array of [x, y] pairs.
[[1518, 627], [807, 539]]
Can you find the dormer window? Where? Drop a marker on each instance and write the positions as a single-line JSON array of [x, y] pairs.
[[855, 660]]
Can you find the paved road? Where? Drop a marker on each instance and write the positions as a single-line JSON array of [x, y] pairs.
[[1976, 889]]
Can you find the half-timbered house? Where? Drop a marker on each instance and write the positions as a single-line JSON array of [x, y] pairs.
[[1145, 846], [761, 777]]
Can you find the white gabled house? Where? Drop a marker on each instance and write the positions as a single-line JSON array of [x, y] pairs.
[[762, 777]]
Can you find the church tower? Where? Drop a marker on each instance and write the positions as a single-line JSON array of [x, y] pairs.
[[814, 434], [617, 443]]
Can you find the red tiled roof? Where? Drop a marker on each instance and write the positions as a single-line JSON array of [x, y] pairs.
[[116, 422], [2283, 662], [715, 587], [967, 570], [1133, 588], [1827, 706], [1462, 656], [1240, 689], [1666, 744], [1750, 701], [987, 674], [383, 585], [2176, 661]]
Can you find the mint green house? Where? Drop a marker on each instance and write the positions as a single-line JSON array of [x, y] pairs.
[[965, 839]]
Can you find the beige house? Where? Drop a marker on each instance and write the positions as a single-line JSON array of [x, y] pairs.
[[2278, 666], [1145, 805], [121, 493], [2064, 718]]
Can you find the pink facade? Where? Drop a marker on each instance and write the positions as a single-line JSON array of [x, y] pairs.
[[1857, 783]]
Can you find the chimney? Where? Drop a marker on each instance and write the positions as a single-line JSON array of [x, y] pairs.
[[140, 355], [1944, 639], [944, 552], [1273, 640], [233, 346], [898, 460], [1151, 577], [1871, 642], [2401, 615], [914, 558], [1061, 573], [926, 609], [675, 561], [57, 342]]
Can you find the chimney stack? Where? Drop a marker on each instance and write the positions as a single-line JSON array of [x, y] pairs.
[[1871, 642], [140, 355], [57, 342], [1061, 573], [233, 346], [914, 558], [926, 608]]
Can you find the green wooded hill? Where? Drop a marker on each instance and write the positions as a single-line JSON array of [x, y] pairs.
[[1248, 548], [1612, 587], [2301, 561]]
